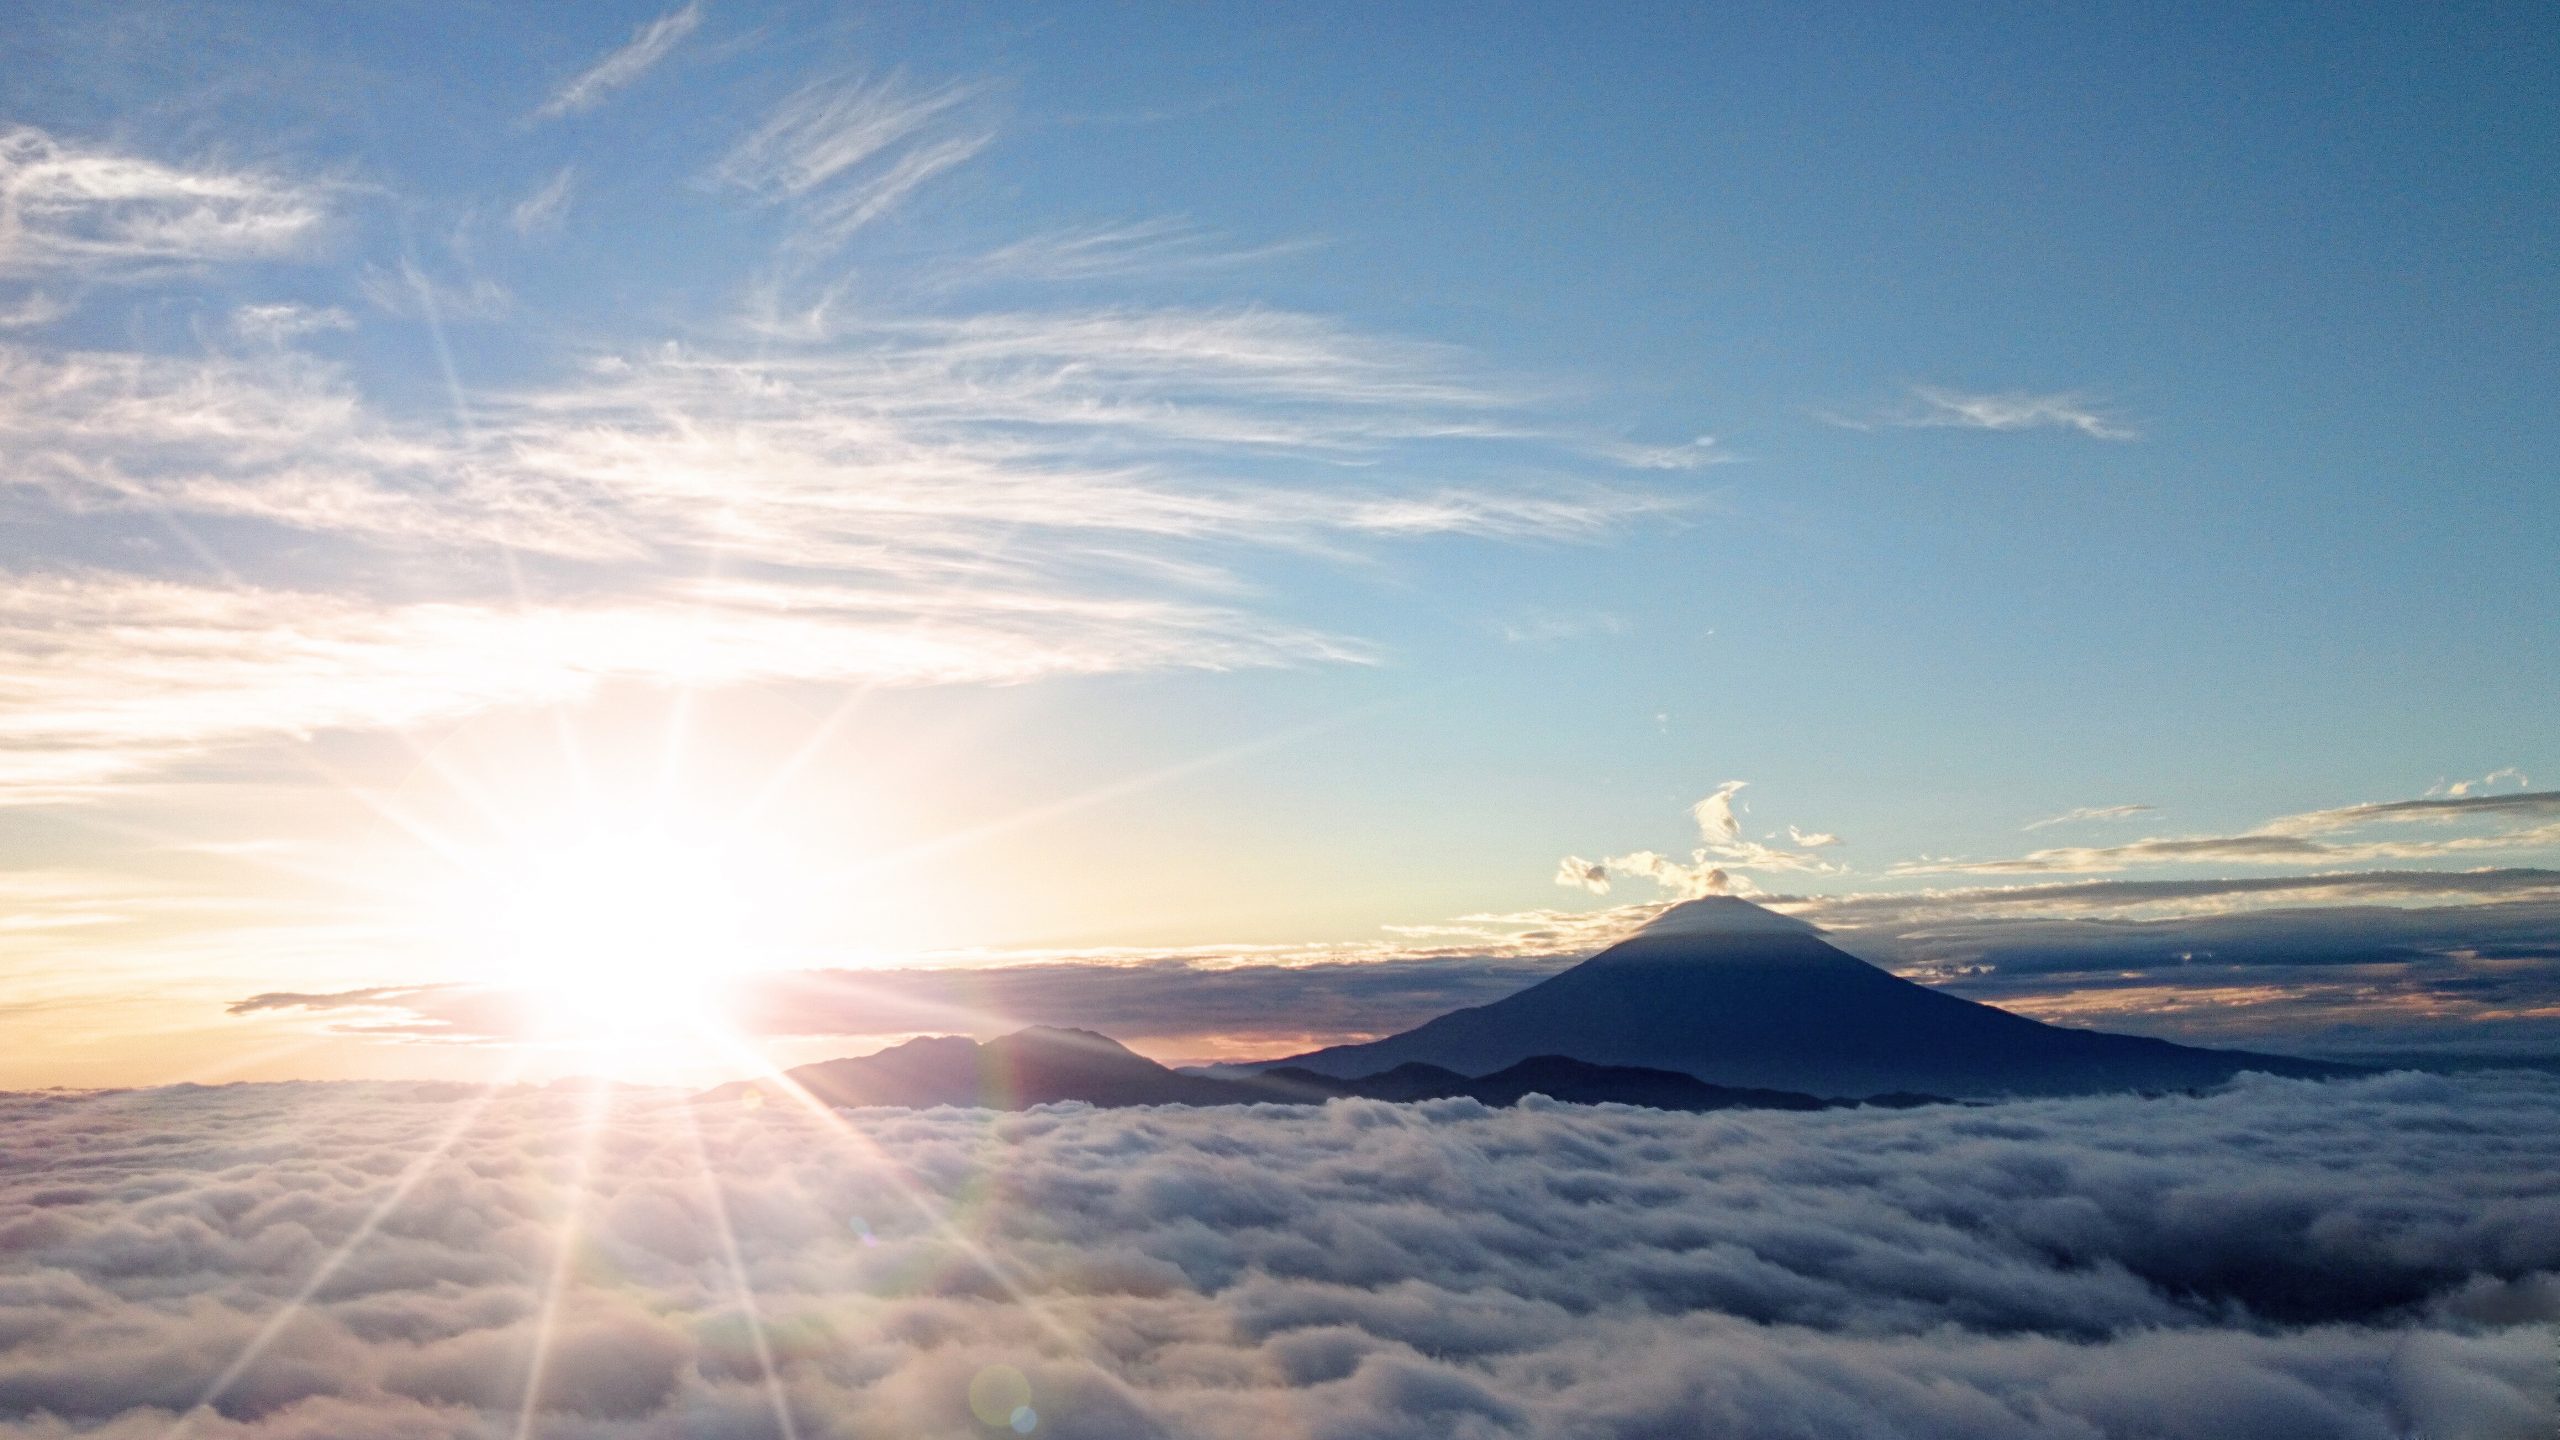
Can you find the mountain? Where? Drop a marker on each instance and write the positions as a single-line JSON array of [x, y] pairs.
[[1039, 1066], [1042, 1066], [1736, 995]]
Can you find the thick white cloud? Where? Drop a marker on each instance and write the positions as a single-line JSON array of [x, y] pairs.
[[1722, 850], [2188, 1266]]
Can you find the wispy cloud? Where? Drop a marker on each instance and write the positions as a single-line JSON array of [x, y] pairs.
[[104, 676], [648, 45], [33, 309], [842, 153], [280, 323], [980, 500], [1141, 248], [547, 209], [934, 496], [99, 215], [1695, 454], [1547, 627], [1935, 407], [2090, 812], [410, 292], [2523, 820]]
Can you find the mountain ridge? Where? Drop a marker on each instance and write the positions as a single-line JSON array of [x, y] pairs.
[[1046, 1065]]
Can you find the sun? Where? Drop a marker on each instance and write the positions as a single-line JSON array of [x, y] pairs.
[[622, 935]]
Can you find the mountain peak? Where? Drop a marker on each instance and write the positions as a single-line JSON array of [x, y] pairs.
[[1066, 1037], [1724, 915]]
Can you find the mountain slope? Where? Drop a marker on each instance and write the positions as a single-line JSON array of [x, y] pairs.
[[1740, 996], [1044, 1066]]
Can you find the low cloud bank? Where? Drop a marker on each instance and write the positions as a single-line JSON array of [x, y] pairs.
[[2374, 1258], [2382, 966]]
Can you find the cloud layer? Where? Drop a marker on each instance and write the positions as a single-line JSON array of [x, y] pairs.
[[2080, 1268], [2348, 834], [2404, 966]]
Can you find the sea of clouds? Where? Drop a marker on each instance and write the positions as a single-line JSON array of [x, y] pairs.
[[2373, 1258]]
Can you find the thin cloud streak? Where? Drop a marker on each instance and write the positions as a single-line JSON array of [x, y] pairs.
[[815, 153], [1137, 249], [1939, 408], [2293, 839], [546, 210], [2090, 812], [648, 45]]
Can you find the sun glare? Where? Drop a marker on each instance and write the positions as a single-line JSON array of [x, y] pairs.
[[623, 936]]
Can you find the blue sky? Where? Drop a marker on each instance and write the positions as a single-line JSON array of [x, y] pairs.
[[1209, 476]]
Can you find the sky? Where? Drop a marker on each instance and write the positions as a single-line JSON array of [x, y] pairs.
[[1355, 504]]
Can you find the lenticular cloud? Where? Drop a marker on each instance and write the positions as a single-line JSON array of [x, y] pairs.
[[2377, 1258]]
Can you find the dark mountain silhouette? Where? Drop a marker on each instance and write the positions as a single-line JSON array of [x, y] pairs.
[[1038, 1066], [1739, 996], [1042, 1066]]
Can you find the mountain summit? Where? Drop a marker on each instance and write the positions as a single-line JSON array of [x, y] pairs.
[[1738, 995]]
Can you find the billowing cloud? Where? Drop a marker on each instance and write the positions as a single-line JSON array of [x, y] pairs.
[[301, 1260], [1721, 851], [93, 214], [1591, 875], [648, 45]]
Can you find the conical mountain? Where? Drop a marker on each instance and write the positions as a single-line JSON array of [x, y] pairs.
[[1737, 995]]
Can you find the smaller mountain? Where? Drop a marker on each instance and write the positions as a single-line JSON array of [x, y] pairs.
[[1047, 1066], [1042, 1065]]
